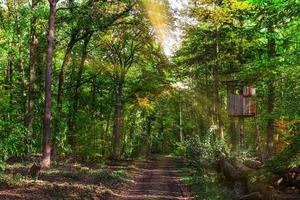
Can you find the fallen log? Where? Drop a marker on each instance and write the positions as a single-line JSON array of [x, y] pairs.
[[253, 164], [243, 168], [284, 196], [233, 170], [286, 187]]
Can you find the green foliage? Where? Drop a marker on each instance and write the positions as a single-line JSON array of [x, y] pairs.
[[206, 186], [13, 141], [180, 149], [201, 151], [10, 181], [290, 157]]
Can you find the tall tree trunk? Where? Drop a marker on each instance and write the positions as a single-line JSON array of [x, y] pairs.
[[9, 80], [31, 96], [20, 59], [232, 125], [105, 136], [78, 83], [217, 89], [271, 92], [242, 133], [180, 122], [148, 145], [62, 73], [118, 120], [218, 112], [161, 129], [46, 159], [94, 95], [258, 141], [233, 134]]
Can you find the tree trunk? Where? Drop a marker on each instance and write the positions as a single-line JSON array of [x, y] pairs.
[[118, 120], [271, 93], [234, 138], [31, 96], [217, 89], [62, 73], [20, 59], [180, 122], [148, 145], [9, 81], [258, 141], [78, 84], [46, 159], [270, 123], [242, 133], [105, 135], [233, 134]]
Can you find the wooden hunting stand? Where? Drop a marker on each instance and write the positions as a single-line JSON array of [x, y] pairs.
[[240, 104]]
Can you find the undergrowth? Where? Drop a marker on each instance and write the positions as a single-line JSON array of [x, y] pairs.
[[10, 180], [200, 153], [112, 178], [205, 185]]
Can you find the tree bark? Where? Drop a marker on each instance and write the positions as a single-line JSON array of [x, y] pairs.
[[9, 81], [118, 121], [233, 134], [258, 141], [46, 159], [20, 56], [62, 73], [180, 122], [242, 133], [78, 83], [148, 144]]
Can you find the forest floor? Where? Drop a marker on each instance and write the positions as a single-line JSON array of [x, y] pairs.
[[154, 178]]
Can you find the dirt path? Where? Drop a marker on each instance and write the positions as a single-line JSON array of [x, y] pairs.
[[153, 179], [156, 179]]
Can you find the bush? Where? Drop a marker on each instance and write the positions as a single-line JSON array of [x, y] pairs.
[[201, 151], [13, 141], [288, 158], [180, 149], [206, 186], [10, 181]]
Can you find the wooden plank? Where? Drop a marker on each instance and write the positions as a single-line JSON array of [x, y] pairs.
[[249, 107], [235, 105], [240, 106], [249, 91]]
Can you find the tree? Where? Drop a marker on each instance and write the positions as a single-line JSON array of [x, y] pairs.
[[32, 67], [122, 51], [46, 159]]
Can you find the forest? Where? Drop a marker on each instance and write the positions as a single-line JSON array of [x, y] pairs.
[[150, 99]]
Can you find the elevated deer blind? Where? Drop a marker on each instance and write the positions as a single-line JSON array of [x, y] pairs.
[[241, 104]]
